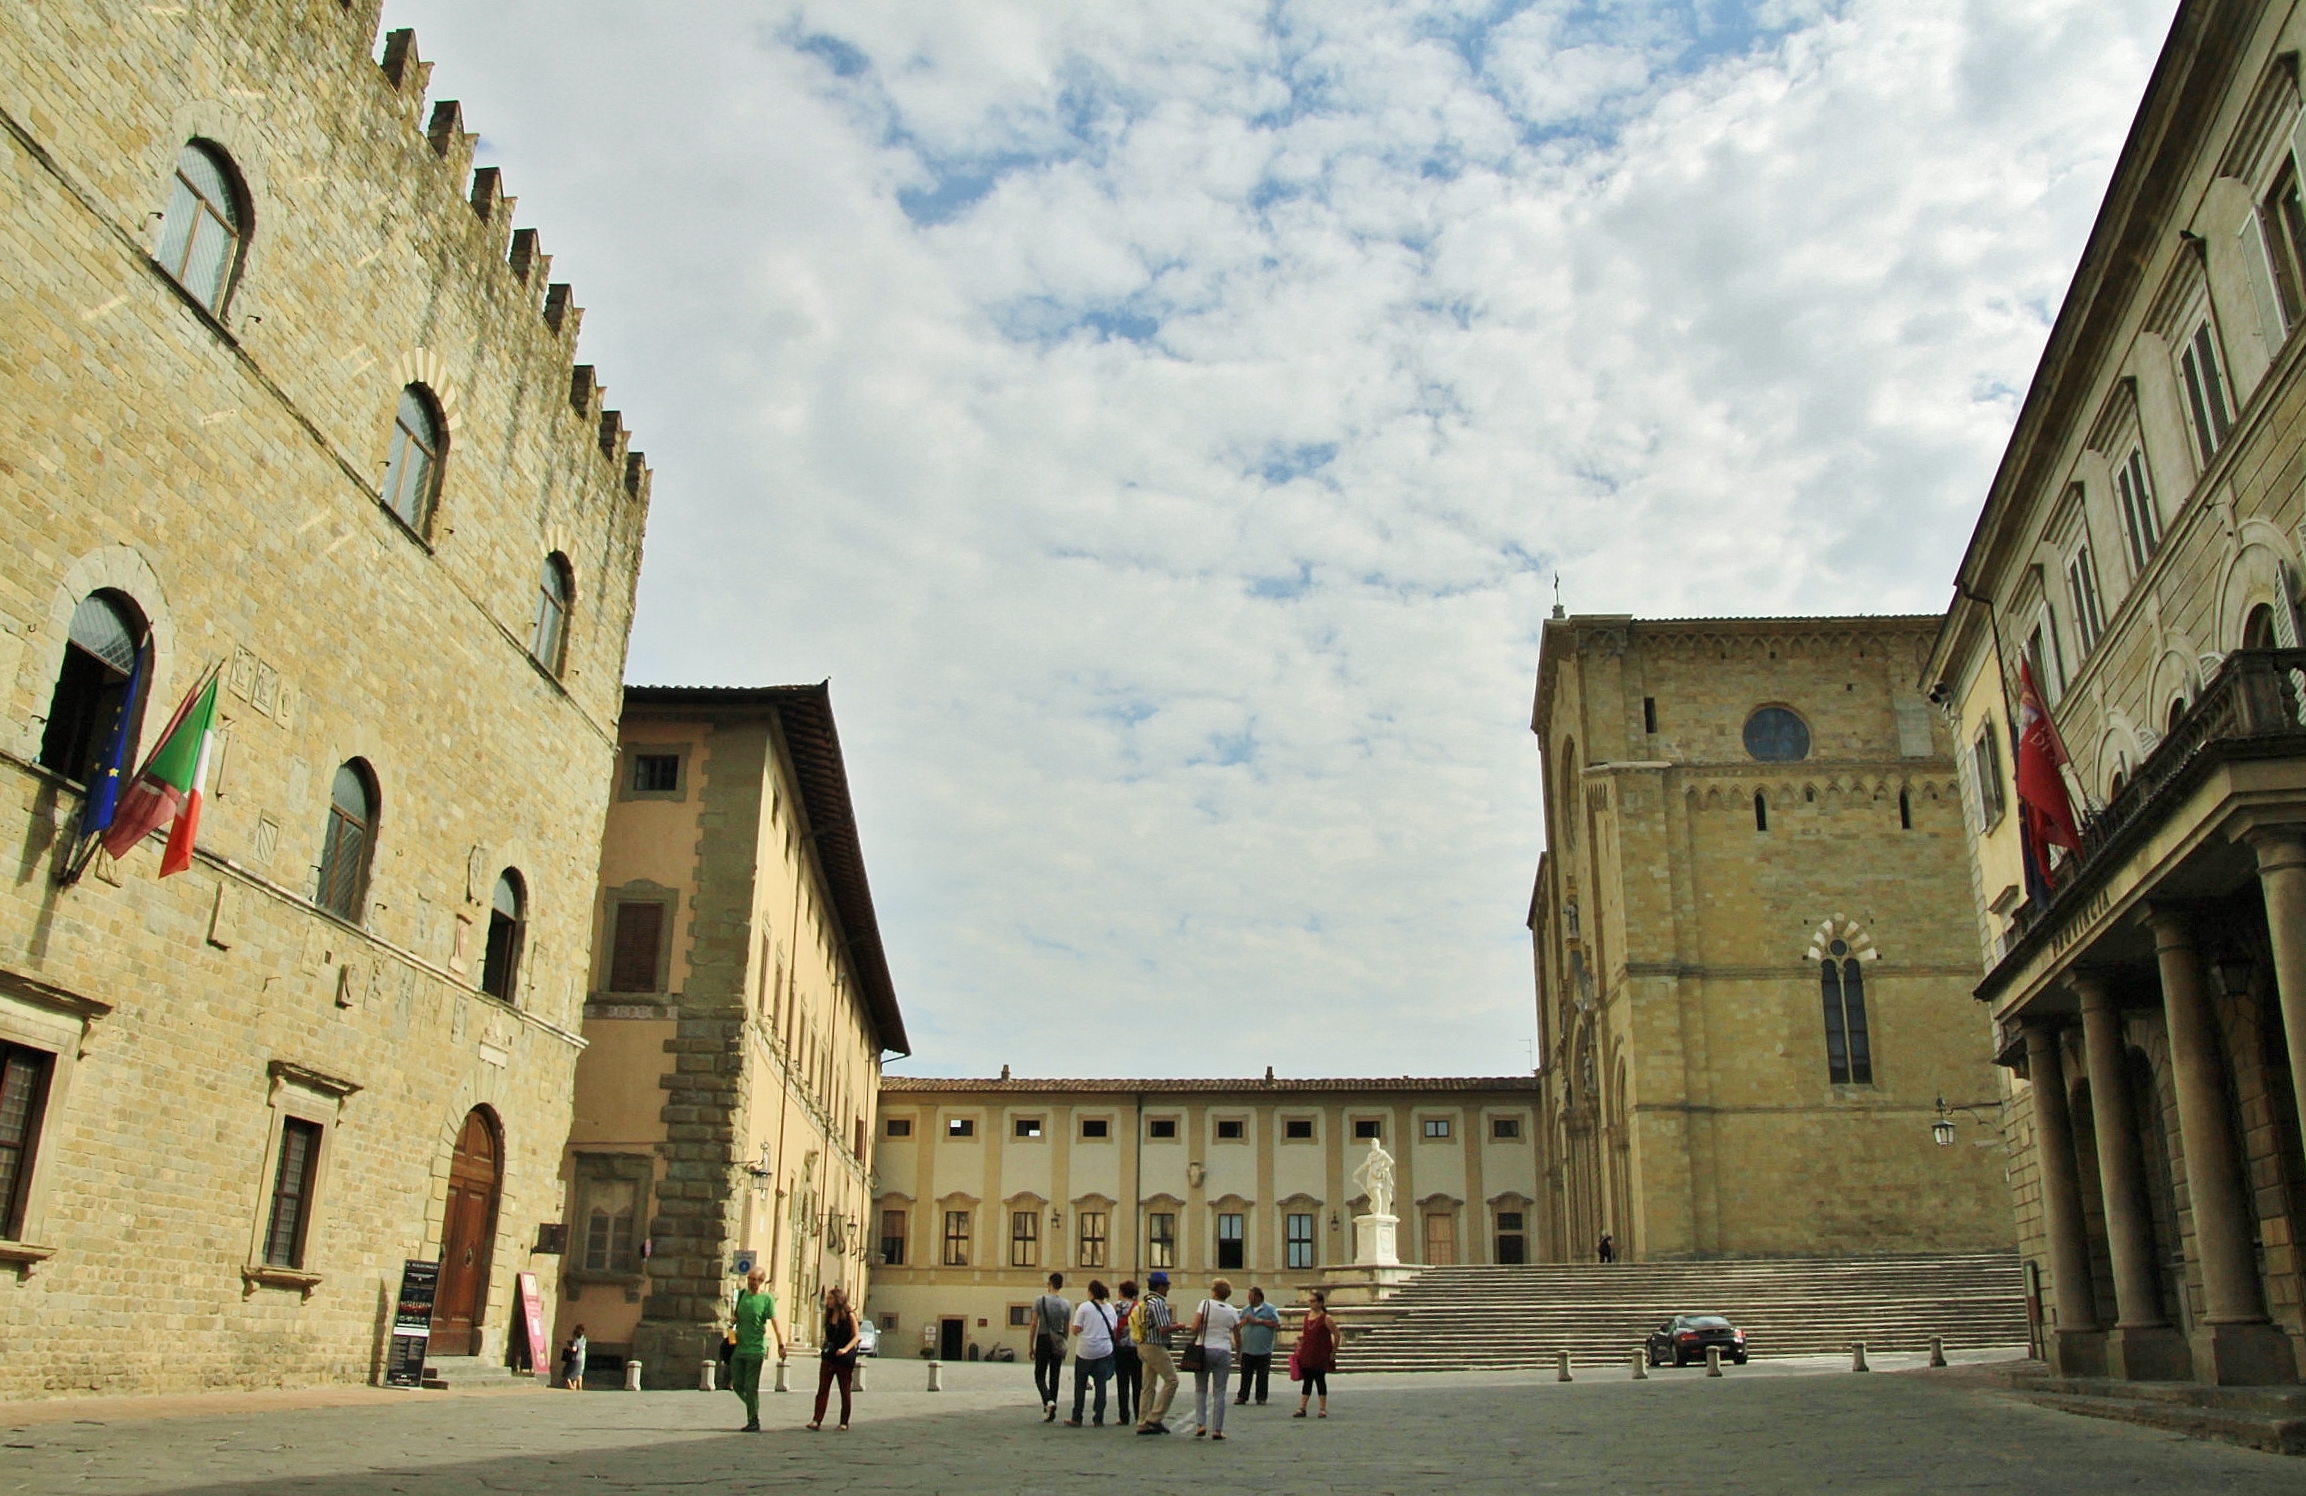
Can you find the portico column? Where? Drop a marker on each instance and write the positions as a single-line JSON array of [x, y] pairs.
[[2077, 1347], [2282, 879], [2235, 1344], [2143, 1346]]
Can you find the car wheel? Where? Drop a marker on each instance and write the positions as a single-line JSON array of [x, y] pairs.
[[1740, 1359]]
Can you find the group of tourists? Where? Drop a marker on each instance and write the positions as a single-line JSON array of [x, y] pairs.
[[746, 1349], [1130, 1342]]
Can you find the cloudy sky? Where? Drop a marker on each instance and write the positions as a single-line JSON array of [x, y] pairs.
[[1163, 422]]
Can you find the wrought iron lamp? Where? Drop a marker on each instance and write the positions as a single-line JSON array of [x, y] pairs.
[[1942, 1130]]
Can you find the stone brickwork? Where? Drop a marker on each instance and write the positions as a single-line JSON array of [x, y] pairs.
[[219, 467], [1688, 897]]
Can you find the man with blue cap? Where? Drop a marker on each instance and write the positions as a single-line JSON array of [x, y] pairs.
[[1150, 1325]]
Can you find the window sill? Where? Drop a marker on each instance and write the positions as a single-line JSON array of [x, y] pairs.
[[24, 1256], [253, 1278]]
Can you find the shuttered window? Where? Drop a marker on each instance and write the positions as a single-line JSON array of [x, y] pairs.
[[639, 937], [344, 849], [292, 1193], [23, 1096]]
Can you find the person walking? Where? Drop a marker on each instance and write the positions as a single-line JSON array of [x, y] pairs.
[[1151, 1326], [1052, 1315], [755, 1321], [572, 1361], [1217, 1330], [1260, 1322], [1128, 1368], [1316, 1354], [1094, 1323], [837, 1356], [1605, 1250]]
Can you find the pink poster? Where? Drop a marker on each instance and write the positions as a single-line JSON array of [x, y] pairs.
[[539, 1349]]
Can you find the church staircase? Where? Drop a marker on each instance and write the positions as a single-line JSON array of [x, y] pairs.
[[1500, 1318]]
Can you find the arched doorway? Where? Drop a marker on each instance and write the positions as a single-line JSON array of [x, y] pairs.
[[468, 1230]]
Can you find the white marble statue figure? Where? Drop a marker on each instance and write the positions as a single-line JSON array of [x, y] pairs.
[[1375, 1176]]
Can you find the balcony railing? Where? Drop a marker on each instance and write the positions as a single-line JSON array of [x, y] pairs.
[[2254, 707]]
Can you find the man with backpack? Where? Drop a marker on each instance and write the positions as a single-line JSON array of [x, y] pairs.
[[1052, 1322], [1149, 1328]]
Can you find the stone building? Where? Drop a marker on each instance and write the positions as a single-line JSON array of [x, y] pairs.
[[288, 398], [1753, 956], [2139, 553], [988, 1186], [740, 1005]]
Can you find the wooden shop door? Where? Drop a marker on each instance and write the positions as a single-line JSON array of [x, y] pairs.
[[1440, 1240], [467, 1232]]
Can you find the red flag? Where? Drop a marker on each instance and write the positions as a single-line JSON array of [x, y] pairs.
[[2046, 814]]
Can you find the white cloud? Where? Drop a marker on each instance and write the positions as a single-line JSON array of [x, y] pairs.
[[1162, 422]]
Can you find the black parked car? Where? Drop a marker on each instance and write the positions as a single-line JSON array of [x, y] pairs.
[[1683, 1339]]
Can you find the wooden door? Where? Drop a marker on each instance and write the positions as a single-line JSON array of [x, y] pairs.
[[950, 1336], [1440, 1240], [468, 1230]]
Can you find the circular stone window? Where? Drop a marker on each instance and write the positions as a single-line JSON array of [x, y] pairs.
[[1776, 736]]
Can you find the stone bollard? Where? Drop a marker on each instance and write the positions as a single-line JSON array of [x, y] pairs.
[[1713, 1360], [1561, 1367], [705, 1373], [784, 1375], [936, 1376], [1937, 1350], [632, 1376], [1641, 1365], [1858, 1357], [857, 1381]]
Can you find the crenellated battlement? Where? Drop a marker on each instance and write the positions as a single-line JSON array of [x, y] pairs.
[[517, 251]]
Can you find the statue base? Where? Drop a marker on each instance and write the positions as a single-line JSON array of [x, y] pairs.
[[1373, 1241]]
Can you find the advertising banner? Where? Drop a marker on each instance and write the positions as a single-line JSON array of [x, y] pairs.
[[532, 1310], [411, 1324]]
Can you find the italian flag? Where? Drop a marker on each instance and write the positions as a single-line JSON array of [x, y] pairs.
[[171, 783]]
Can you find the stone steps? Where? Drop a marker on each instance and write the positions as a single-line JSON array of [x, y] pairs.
[[470, 1371], [1462, 1318]]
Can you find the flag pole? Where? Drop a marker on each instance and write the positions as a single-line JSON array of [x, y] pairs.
[[89, 839]]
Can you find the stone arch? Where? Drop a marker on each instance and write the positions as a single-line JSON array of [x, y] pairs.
[[1850, 932], [116, 568], [2258, 574], [2176, 675]]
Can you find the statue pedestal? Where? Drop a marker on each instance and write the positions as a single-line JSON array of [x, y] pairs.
[[1373, 1241]]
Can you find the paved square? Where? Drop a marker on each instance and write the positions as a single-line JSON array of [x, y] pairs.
[[1784, 1427]]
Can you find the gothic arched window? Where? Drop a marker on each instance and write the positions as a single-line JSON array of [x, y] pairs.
[[1849, 1050]]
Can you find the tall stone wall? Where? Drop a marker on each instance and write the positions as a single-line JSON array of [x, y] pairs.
[[221, 468]]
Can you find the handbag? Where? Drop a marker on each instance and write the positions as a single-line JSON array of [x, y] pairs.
[[1195, 1357]]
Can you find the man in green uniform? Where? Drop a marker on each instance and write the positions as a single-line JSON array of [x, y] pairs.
[[756, 1320]]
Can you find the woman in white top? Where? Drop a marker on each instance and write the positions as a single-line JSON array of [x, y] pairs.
[[1217, 1330], [1094, 1326]]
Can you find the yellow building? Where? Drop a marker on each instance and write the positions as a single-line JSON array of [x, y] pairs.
[[987, 1186], [2140, 551], [1751, 928], [739, 1008], [288, 397]]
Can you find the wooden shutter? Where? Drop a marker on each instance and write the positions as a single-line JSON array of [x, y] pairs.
[[639, 934]]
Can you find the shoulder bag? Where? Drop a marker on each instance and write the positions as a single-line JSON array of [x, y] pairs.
[[1195, 1357]]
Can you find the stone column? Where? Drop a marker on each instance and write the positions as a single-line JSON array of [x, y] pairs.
[[2235, 1345], [2143, 1347], [2282, 880], [2077, 1346]]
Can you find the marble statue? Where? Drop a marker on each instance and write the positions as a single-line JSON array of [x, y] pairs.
[[1375, 1176]]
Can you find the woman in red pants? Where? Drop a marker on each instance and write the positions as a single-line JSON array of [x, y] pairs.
[[838, 1359]]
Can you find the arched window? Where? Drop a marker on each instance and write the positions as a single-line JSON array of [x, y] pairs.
[[202, 230], [2115, 785], [1849, 1053], [507, 925], [351, 837], [412, 469], [1776, 736], [548, 641], [1905, 810], [2258, 629], [99, 683], [2177, 713], [1761, 812]]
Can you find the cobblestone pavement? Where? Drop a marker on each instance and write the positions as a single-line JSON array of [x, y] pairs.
[[1769, 1427]]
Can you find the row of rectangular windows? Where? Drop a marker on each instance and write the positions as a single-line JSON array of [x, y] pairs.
[[1229, 1129], [1091, 1239]]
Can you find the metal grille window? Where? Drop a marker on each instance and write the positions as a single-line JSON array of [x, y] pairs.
[[412, 464], [1090, 1224], [1849, 1051], [656, 773], [345, 848], [548, 640], [1300, 1240], [23, 1096], [507, 929], [292, 1193], [956, 1238], [2205, 391], [1024, 1238], [1161, 1239], [893, 1238], [633, 955], [1231, 1249], [200, 232]]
